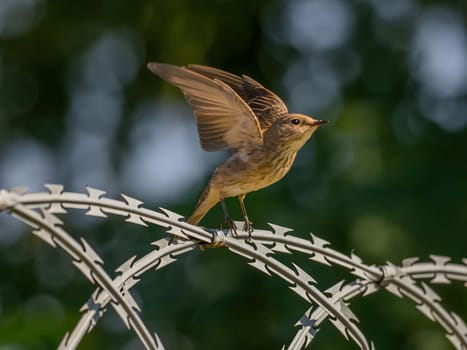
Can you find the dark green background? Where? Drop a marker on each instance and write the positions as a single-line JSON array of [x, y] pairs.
[[386, 178]]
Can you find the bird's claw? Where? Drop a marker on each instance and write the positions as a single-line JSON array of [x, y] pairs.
[[218, 236], [248, 227], [231, 223]]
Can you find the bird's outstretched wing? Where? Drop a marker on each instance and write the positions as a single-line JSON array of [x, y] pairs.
[[223, 118], [266, 105]]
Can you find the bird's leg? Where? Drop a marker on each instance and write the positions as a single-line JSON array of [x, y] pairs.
[[248, 225], [227, 219]]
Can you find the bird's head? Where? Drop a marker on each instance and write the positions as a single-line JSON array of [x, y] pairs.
[[295, 129]]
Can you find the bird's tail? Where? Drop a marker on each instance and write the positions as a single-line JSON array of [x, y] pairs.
[[208, 199]]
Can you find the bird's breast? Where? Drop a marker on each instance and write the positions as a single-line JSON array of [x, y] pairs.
[[246, 172]]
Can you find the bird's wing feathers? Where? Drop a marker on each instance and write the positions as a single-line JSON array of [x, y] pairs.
[[266, 105], [223, 118], [234, 81]]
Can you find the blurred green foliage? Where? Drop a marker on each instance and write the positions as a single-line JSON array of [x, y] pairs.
[[387, 178]]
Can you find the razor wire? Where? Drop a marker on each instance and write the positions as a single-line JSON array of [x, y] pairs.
[[40, 211]]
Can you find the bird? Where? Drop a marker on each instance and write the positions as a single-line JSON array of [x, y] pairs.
[[238, 114]]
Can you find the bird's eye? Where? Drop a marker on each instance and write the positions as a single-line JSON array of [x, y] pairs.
[[295, 121]]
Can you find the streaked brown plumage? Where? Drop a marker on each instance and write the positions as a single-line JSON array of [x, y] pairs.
[[239, 114]]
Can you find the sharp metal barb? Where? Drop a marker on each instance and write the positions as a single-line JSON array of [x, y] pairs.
[[439, 259], [280, 231], [409, 261], [46, 236], [135, 205], [54, 188], [305, 334], [20, 190], [335, 290], [64, 343], [95, 194], [126, 265]]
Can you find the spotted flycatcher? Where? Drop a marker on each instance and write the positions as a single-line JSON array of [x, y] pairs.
[[239, 114]]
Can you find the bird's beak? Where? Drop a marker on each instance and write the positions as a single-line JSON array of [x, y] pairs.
[[319, 122]]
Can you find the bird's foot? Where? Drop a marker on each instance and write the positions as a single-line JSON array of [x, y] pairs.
[[231, 223], [248, 227]]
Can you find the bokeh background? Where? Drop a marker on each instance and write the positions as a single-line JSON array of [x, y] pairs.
[[387, 178]]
